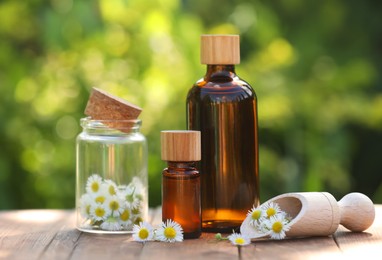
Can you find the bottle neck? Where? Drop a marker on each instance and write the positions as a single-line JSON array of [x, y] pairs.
[[110, 127], [220, 71], [181, 165]]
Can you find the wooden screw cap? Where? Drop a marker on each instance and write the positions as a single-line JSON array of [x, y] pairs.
[[104, 106], [181, 146], [220, 49]]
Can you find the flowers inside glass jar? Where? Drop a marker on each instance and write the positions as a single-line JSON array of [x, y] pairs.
[[106, 206]]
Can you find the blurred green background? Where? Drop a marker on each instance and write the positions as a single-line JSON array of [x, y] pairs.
[[315, 65]]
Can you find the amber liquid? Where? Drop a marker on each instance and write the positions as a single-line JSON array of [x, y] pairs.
[[224, 109], [181, 197]]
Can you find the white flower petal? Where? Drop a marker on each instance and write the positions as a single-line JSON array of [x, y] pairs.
[[85, 204], [93, 184], [115, 205], [99, 212], [271, 207], [111, 224], [143, 232], [277, 226], [239, 239], [249, 230], [109, 187], [170, 231]]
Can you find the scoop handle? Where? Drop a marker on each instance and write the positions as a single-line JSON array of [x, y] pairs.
[[357, 212]]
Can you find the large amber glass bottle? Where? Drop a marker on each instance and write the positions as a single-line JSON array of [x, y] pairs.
[[224, 108]]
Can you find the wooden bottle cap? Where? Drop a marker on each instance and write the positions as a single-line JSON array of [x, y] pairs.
[[220, 49], [104, 106], [181, 146]]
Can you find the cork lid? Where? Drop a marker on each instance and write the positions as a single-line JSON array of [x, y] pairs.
[[181, 146], [220, 49], [115, 112], [104, 106]]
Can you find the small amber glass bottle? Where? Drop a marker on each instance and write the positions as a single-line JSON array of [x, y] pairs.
[[181, 180]]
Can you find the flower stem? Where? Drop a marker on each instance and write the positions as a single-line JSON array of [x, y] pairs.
[[239, 251], [219, 237]]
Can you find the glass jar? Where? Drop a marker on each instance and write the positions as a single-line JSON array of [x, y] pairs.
[[111, 183]]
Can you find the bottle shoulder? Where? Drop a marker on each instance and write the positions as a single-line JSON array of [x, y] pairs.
[[180, 174], [237, 88]]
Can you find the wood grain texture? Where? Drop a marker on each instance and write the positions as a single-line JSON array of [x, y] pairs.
[[51, 234], [362, 245], [26, 234], [295, 248], [181, 146], [220, 49]]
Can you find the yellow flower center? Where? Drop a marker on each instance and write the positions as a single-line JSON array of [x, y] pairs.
[[169, 232], [239, 241], [100, 199], [114, 205], [125, 215], [277, 227], [271, 212], [256, 214], [112, 190], [94, 187], [99, 212], [135, 211], [138, 220], [143, 233]]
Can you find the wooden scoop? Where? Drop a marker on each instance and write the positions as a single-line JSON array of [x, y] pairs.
[[319, 214]]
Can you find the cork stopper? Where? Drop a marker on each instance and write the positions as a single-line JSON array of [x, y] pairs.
[[181, 146], [104, 106], [220, 49]]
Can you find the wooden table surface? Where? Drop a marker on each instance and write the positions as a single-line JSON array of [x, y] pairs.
[[50, 234]]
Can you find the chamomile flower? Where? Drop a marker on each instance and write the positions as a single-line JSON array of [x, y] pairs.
[[85, 204], [138, 185], [130, 189], [115, 205], [100, 198], [128, 194], [136, 211], [277, 225], [256, 215], [143, 232], [170, 231], [93, 185], [99, 212], [274, 222], [239, 240], [137, 220], [108, 206], [125, 218], [271, 209], [111, 224], [109, 188]]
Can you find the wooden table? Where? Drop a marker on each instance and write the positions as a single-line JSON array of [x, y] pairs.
[[50, 234]]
